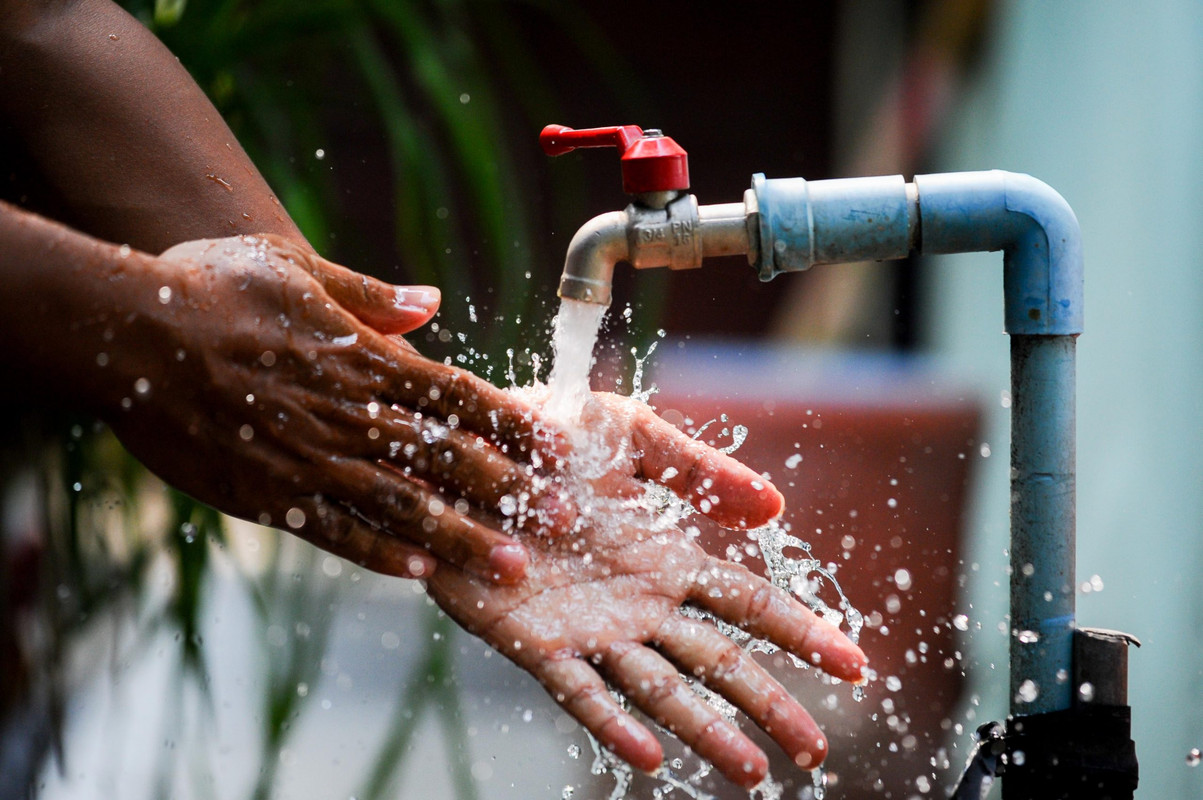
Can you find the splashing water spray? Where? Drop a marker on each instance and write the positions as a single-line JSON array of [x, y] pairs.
[[1058, 741]]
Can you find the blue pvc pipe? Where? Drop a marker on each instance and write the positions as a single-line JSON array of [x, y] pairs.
[[968, 212], [863, 219]]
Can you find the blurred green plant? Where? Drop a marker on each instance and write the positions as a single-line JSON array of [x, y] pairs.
[[447, 94], [443, 91]]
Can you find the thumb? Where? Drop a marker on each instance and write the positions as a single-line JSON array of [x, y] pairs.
[[387, 308]]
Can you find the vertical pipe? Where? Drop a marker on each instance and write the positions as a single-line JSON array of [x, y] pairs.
[[1042, 522]]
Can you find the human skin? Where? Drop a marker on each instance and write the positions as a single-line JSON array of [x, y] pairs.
[[183, 307], [602, 607], [133, 153]]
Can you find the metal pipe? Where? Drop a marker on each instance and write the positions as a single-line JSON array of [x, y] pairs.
[[724, 229], [594, 250], [677, 236]]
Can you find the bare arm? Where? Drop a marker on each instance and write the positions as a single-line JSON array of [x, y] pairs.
[[128, 141]]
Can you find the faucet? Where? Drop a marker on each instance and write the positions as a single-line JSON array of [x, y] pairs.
[[663, 226], [791, 224]]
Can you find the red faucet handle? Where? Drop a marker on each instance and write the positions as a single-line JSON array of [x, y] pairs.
[[651, 162], [559, 139]]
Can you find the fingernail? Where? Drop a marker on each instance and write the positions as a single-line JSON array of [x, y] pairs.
[[417, 298], [420, 566], [507, 562], [554, 515]]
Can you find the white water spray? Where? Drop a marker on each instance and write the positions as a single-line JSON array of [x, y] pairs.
[[575, 335]]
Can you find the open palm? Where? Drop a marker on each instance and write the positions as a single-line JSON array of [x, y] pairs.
[[603, 605]]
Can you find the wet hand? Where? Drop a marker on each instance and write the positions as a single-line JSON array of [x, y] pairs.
[[643, 447], [274, 385], [603, 607]]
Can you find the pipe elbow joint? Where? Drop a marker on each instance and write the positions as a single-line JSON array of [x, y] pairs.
[[595, 248], [1034, 227]]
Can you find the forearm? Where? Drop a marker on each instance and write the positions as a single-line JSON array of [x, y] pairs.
[[121, 131], [71, 307]]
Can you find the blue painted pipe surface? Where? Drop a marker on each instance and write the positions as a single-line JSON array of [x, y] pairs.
[[969, 212], [1042, 522], [865, 219], [803, 223]]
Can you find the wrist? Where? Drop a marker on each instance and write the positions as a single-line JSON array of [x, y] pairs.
[[78, 314]]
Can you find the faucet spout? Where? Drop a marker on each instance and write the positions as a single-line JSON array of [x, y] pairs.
[[678, 236], [594, 250]]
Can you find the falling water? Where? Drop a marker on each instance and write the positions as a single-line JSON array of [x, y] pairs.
[[575, 334]]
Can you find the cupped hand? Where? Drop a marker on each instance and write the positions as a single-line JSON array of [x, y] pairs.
[[273, 385], [604, 606]]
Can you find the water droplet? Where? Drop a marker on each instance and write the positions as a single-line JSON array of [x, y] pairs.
[[1086, 691], [246, 433], [893, 683], [902, 579], [1028, 637], [574, 751], [1028, 691], [142, 386], [960, 622], [1193, 757], [793, 461], [164, 294], [295, 517], [319, 154], [892, 503], [566, 793], [465, 98], [1017, 758]]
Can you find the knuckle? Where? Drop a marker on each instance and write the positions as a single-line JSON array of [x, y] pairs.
[[761, 600], [661, 689], [336, 528], [584, 695], [728, 662]]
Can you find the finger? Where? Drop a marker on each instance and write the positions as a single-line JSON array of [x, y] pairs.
[[336, 531], [466, 465], [382, 306], [700, 650], [511, 424], [722, 488], [655, 686], [382, 498], [582, 693], [734, 594]]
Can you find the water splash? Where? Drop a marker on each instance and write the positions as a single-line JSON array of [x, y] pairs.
[[804, 577]]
